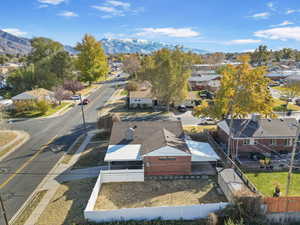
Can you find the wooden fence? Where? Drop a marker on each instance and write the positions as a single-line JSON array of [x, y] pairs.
[[282, 204]]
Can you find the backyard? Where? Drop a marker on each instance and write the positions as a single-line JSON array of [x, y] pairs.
[[151, 193], [267, 181]]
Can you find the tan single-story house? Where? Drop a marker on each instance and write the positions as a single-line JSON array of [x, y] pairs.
[[35, 95]]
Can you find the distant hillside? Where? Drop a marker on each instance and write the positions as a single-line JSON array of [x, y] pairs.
[[13, 45], [113, 46]]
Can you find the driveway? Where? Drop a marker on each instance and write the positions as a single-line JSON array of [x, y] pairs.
[[186, 118]]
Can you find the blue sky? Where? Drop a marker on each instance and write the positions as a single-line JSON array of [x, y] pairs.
[[214, 25]]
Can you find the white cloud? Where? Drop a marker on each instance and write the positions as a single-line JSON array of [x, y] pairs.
[[242, 42], [169, 31], [271, 6], [249, 50], [51, 2], [116, 8], [284, 23], [280, 33], [263, 15], [110, 10], [15, 31], [68, 14], [115, 3], [43, 6], [290, 11]]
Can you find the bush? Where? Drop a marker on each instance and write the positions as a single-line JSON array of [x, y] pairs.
[[25, 106], [43, 106], [132, 86], [281, 108]]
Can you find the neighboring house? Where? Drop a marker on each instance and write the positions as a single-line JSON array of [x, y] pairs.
[[142, 98], [8, 67], [258, 134], [35, 95], [159, 147], [205, 82], [276, 76]]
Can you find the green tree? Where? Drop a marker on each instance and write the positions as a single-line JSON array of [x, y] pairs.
[[43, 48], [261, 55], [61, 65], [244, 90], [91, 61], [287, 53], [42, 106], [3, 59]]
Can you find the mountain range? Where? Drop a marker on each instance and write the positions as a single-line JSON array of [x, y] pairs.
[[113, 46], [12, 44]]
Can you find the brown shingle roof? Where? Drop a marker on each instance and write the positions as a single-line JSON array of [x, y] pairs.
[[152, 135]]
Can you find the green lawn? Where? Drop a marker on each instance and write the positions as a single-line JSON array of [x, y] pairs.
[[278, 102], [37, 113], [266, 182]]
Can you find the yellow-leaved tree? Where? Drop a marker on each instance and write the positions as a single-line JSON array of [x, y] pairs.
[[91, 61], [243, 91]]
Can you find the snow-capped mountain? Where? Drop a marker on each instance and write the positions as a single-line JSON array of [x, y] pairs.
[[113, 46]]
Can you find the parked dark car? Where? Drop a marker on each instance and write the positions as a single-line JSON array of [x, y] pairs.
[[182, 108], [85, 101]]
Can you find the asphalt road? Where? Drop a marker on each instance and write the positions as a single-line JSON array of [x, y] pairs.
[[23, 170]]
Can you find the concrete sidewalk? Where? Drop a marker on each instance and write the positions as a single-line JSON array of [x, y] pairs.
[[82, 173], [52, 182]]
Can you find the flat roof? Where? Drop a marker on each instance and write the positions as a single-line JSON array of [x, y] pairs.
[[202, 151], [123, 153]]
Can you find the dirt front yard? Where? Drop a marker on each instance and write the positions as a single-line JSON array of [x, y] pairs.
[[153, 193], [6, 137], [67, 205]]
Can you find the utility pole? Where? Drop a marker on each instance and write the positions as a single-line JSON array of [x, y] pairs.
[[3, 211], [82, 112]]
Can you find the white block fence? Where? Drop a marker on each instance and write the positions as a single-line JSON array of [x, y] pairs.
[[189, 212]]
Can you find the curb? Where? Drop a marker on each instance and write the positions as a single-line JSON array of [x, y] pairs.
[[23, 136], [40, 186]]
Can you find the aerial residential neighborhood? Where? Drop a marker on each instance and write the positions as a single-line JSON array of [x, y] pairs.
[[122, 112]]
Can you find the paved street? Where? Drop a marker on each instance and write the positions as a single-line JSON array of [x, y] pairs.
[[24, 169]]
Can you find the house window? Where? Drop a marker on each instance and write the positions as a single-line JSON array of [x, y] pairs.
[[246, 142], [147, 164], [273, 142], [255, 142], [287, 142], [167, 158]]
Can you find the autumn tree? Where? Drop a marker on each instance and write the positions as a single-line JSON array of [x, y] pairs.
[[291, 90], [261, 55], [59, 94], [91, 61], [132, 65], [243, 91], [73, 86], [168, 71]]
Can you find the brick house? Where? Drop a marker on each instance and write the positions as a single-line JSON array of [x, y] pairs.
[[159, 147], [257, 134]]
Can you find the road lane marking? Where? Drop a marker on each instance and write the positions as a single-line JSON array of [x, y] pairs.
[[26, 163]]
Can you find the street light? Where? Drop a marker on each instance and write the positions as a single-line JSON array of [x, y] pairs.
[[82, 112]]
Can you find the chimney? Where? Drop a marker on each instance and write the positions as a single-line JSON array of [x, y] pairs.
[[130, 133], [256, 118]]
